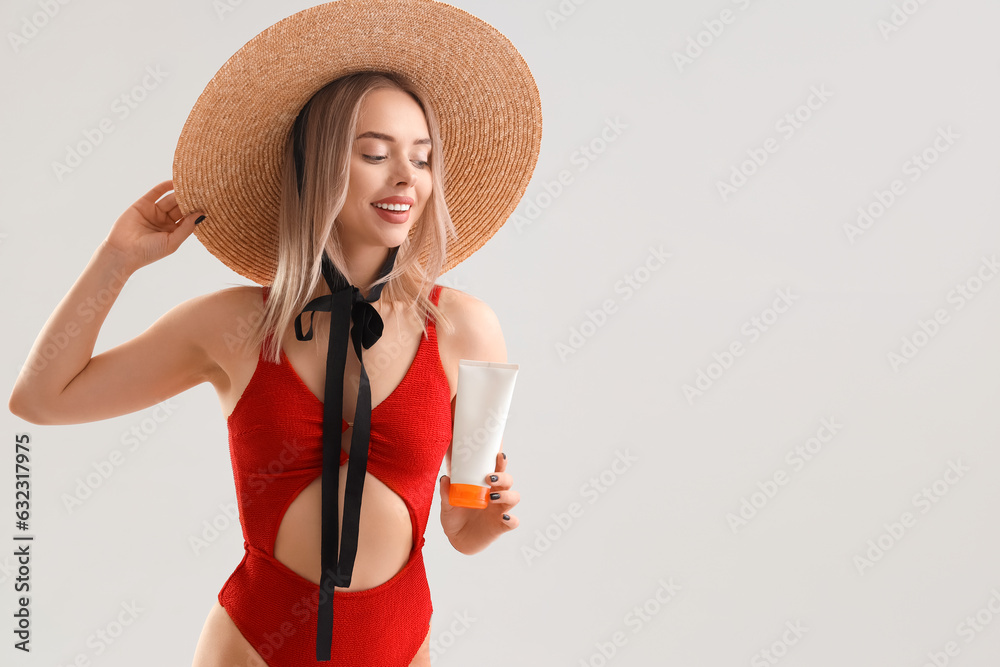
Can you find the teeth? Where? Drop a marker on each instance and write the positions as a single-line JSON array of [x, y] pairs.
[[394, 207]]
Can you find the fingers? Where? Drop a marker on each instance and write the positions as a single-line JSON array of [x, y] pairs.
[[165, 206], [503, 480], [504, 499], [167, 209], [158, 190], [502, 495], [443, 485], [161, 209], [180, 232]]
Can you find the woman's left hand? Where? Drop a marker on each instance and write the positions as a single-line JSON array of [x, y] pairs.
[[470, 530]]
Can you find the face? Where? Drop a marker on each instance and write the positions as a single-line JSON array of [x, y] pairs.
[[390, 158]]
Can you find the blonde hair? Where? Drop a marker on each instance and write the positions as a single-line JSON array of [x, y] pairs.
[[307, 223]]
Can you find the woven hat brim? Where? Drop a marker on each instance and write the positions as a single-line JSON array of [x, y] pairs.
[[229, 155]]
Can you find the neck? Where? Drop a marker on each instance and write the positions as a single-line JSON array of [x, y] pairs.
[[364, 266]]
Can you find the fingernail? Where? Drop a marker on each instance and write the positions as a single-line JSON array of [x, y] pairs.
[[494, 496], [200, 218], [506, 517], [504, 455], [493, 478]]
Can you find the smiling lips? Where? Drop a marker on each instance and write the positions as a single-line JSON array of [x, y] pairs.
[[394, 209], [395, 217]]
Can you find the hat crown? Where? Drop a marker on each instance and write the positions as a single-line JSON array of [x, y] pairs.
[[230, 152]]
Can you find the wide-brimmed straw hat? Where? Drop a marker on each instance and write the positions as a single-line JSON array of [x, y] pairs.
[[230, 153]]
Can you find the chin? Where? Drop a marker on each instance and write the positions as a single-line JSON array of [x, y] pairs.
[[393, 238], [397, 239]]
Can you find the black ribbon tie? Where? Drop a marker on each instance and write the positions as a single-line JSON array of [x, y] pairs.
[[345, 305]]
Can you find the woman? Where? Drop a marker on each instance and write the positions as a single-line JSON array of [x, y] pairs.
[[362, 199]]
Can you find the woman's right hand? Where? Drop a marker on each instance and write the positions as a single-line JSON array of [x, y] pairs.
[[151, 228]]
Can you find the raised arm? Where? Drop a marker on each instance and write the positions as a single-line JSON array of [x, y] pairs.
[[61, 383]]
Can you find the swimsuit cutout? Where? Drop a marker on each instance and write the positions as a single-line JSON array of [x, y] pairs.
[[276, 446]]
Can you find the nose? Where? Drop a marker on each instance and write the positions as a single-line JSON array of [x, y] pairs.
[[403, 172]]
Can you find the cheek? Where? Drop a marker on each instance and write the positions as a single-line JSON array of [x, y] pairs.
[[424, 199]]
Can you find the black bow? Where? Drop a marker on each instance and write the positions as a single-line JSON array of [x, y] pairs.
[[345, 305]]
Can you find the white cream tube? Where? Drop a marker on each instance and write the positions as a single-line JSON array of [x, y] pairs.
[[482, 401]]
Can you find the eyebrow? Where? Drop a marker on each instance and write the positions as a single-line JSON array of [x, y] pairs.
[[386, 137]]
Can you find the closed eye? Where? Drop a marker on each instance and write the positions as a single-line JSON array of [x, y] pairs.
[[380, 158]]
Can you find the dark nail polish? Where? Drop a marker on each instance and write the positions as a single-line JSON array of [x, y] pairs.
[[200, 218], [494, 496], [505, 455], [493, 478], [506, 517]]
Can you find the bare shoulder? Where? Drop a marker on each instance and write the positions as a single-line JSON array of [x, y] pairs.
[[477, 333], [224, 317]]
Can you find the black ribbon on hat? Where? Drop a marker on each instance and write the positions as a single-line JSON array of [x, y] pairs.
[[345, 305]]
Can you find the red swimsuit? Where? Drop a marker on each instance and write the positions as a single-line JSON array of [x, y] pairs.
[[275, 441]]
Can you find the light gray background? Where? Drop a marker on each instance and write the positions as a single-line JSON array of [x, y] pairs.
[[662, 519]]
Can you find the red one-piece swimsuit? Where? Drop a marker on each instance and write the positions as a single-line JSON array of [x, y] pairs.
[[276, 446]]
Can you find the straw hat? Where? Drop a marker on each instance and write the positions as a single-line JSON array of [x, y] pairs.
[[230, 152]]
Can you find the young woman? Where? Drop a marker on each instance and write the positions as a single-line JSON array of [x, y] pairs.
[[365, 224]]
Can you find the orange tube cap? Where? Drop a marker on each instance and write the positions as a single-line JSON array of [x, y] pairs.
[[467, 495]]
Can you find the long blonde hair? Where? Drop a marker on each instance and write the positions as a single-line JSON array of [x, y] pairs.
[[307, 224]]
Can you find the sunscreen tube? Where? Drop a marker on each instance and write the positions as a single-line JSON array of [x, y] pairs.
[[482, 400]]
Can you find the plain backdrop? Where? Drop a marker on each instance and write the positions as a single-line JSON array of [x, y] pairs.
[[752, 290]]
